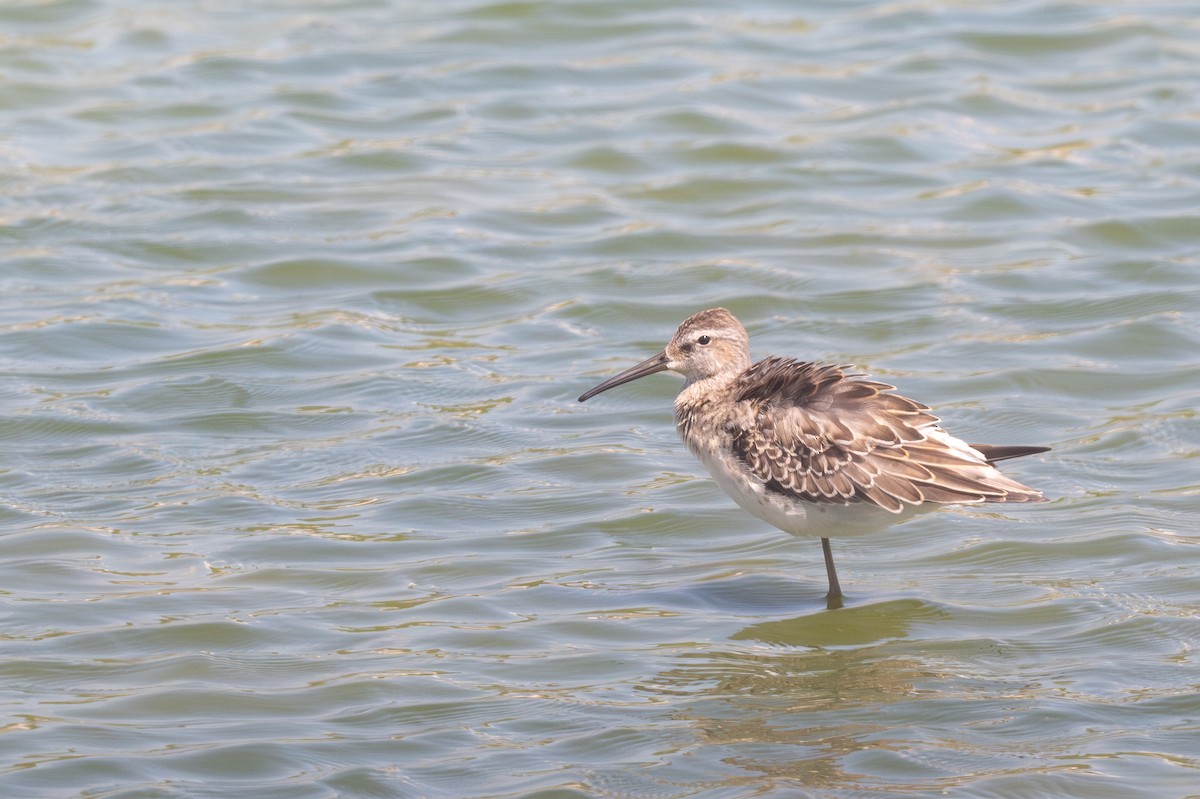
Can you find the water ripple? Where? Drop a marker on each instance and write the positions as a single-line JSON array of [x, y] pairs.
[[297, 304]]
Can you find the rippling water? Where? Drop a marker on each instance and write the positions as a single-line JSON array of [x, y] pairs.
[[295, 497]]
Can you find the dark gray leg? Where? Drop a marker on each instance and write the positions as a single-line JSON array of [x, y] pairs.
[[834, 598]]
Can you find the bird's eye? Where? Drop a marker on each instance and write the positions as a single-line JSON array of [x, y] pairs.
[[703, 339]]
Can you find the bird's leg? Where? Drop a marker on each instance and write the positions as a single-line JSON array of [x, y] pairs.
[[833, 599]]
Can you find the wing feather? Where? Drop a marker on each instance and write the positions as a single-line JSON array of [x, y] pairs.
[[816, 433]]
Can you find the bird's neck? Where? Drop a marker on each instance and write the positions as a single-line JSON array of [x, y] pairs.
[[696, 388], [696, 401]]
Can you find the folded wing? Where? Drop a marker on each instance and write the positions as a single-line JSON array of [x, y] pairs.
[[813, 432]]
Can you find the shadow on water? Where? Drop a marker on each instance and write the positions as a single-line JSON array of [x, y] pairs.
[[847, 626], [797, 704]]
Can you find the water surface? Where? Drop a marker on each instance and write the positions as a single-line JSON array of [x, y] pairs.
[[295, 498]]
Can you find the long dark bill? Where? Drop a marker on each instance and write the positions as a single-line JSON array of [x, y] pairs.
[[647, 367]]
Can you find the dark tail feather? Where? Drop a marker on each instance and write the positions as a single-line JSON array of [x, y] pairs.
[[995, 452]]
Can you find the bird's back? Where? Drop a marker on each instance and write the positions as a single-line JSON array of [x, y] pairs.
[[814, 433]]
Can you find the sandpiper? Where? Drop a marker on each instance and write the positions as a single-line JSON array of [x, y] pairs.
[[811, 449]]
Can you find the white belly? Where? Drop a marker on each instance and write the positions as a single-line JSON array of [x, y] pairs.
[[807, 519]]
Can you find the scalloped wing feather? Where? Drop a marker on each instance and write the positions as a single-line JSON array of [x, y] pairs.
[[820, 435]]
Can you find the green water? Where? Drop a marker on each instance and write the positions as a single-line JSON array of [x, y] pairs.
[[295, 497]]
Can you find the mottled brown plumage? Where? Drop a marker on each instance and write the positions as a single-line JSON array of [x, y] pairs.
[[820, 435], [814, 450]]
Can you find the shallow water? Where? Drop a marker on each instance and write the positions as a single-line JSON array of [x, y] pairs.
[[296, 499]]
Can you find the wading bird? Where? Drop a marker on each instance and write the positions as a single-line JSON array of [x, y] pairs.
[[811, 449]]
